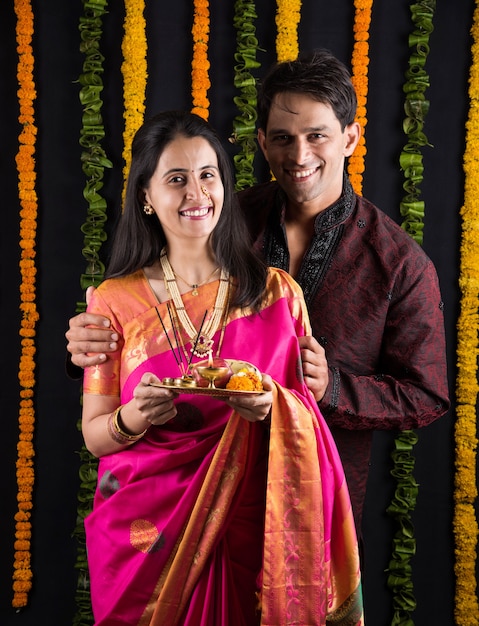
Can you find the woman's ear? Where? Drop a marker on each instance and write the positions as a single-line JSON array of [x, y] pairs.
[[143, 197]]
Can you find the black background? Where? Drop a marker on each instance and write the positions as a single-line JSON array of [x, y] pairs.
[[62, 210]]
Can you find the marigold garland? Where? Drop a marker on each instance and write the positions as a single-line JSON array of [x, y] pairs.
[[22, 575], [465, 524], [288, 15], [134, 71], [360, 65], [244, 124], [200, 81]]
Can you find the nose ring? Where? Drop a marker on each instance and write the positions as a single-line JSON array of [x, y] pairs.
[[206, 192]]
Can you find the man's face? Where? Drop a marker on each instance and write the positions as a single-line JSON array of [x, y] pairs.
[[306, 148]]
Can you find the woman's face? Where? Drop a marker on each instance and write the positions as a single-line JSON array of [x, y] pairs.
[[186, 190]]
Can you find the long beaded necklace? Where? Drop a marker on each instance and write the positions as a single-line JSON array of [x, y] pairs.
[[204, 342]]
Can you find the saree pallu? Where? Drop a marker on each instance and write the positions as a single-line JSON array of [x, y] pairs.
[[210, 520]]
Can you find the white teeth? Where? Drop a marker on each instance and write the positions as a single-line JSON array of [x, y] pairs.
[[302, 173], [195, 212]]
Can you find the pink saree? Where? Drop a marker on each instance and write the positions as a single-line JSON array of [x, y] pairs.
[[211, 520]]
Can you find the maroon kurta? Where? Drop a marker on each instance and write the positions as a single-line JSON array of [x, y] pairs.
[[375, 305]]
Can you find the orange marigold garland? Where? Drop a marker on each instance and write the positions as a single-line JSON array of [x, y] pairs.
[[466, 611], [22, 576], [288, 15], [200, 81], [360, 64], [134, 70]]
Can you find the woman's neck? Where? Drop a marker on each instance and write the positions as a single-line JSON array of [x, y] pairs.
[[194, 267]]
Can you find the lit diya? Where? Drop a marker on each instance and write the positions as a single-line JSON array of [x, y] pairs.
[[214, 370]]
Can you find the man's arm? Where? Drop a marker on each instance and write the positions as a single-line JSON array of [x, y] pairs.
[[409, 387]]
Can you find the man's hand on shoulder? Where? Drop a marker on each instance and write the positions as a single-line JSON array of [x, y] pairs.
[[90, 338]]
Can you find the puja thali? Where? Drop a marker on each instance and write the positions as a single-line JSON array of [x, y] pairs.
[[210, 379]]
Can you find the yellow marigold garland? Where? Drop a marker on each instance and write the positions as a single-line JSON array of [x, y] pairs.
[[22, 576], [467, 387], [288, 15], [200, 81], [360, 65], [134, 71]]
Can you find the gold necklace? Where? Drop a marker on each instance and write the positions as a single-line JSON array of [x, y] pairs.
[[195, 286], [203, 343]]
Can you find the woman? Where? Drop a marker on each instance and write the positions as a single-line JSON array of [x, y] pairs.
[[209, 510]]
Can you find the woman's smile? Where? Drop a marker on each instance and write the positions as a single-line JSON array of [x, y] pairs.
[[196, 212]]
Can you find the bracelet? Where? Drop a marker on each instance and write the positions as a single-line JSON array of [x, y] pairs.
[[117, 433]]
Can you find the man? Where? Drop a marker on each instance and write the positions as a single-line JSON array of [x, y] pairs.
[[377, 359]]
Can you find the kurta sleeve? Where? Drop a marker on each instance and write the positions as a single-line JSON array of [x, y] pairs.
[[408, 387]]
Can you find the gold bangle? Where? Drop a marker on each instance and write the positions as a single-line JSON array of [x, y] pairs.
[[117, 433]]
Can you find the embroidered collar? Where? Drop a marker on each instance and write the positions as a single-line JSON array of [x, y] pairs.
[[328, 227]]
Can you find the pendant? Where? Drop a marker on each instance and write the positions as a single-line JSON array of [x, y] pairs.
[[195, 290], [203, 346]]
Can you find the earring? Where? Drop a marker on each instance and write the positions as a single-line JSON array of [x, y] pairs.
[[148, 209]]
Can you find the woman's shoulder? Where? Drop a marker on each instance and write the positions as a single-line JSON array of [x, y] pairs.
[[280, 279], [120, 283], [122, 293]]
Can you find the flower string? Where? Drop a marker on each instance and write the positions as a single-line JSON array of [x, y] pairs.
[[465, 525], [404, 501], [360, 65], [200, 81], [94, 162], [134, 71], [244, 124], [22, 575], [288, 15]]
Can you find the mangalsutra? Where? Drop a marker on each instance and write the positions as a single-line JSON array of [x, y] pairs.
[[195, 286], [202, 340]]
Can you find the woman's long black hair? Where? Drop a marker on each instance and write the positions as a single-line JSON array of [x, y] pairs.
[[139, 238]]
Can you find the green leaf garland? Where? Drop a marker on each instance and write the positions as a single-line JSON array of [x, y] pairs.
[[244, 124], [416, 107], [412, 209], [94, 161]]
